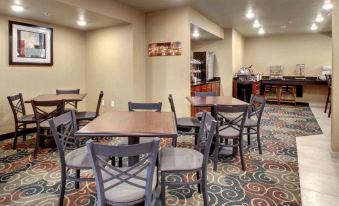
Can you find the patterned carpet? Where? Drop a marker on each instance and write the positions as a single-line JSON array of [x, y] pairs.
[[271, 178]]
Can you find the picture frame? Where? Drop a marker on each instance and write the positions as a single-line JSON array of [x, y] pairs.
[[30, 44], [165, 49]]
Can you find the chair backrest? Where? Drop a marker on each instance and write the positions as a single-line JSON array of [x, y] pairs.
[[69, 91], [44, 110], [63, 128], [233, 116], [207, 131], [256, 107], [132, 106], [170, 99], [329, 79], [205, 94], [17, 105], [97, 111], [148, 155]]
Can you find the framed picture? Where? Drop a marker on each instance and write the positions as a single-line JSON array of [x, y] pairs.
[[164, 49], [30, 44]]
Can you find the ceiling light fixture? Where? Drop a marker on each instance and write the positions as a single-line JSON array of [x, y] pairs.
[[327, 5], [195, 34], [314, 27], [82, 23], [256, 24], [319, 18], [17, 8], [249, 14], [261, 31]]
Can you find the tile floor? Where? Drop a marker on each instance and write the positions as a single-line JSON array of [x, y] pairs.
[[318, 167]]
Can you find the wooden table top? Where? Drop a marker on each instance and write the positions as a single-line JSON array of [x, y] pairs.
[[131, 124], [54, 97], [209, 101]]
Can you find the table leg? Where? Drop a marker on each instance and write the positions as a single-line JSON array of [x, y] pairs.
[[134, 159]]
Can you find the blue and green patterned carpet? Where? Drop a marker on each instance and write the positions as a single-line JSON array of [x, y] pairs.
[[271, 178]]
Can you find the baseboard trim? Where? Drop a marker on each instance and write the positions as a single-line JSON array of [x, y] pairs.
[[11, 134]]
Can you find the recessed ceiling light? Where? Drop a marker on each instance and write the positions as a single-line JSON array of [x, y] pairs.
[[195, 34], [249, 14], [327, 5], [261, 31], [319, 18], [314, 27], [17, 8], [256, 24], [82, 23], [283, 27]]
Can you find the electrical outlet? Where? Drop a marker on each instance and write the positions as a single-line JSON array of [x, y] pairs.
[[112, 103], [102, 102]]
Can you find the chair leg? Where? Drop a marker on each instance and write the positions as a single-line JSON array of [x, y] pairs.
[[248, 136], [241, 155], [62, 187], [37, 145], [329, 111], [163, 191], [258, 140], [120, 162], [327, 100], [113, 161], [77, 175], [204, 187], [198, 177], [216, 156], [24, 132], [15, 138]]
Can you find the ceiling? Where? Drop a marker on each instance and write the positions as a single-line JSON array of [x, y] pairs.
[[276, 16], [54, 12]]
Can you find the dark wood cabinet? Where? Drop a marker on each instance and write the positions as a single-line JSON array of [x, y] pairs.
[[212, 86], [243, 89]]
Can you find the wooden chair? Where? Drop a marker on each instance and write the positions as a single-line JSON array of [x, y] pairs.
[[231, 120], [21, 119], [44, 111], [63, 128], [287, 94], [184, 160], [271, 93], [185, 123], [252, 122], [329, 91], [127, 185], [87, 115], [73, 104]]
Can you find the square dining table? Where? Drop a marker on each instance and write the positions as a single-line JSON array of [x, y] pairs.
[[211, 101], [55, 97], [132, 125]]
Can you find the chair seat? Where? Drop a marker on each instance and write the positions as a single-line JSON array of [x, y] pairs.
[[188, 122], [85, 115], [26, 118], [44, 124], [174, 159], [229, 133], [78, 158], [250, 122], [125, 192]]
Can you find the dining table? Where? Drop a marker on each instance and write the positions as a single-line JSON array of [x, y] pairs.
[[55, 97], [212, 101], [131, 125]]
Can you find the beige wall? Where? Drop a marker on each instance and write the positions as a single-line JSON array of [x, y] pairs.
[[68, 71], [110, 66], [169, 74], [238, 45], [223, 59], [314, 50], [335, 84]]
